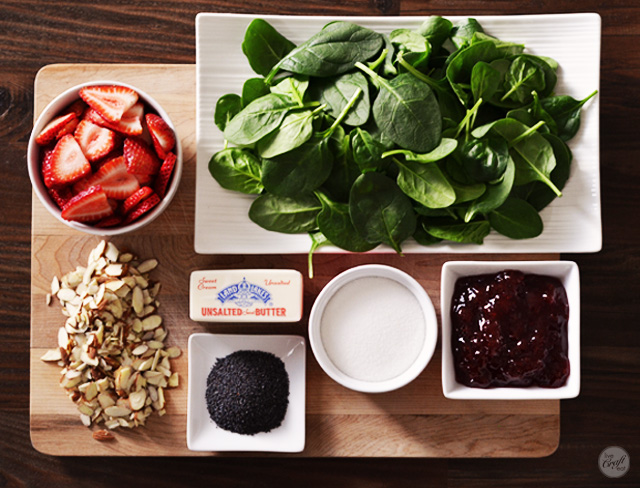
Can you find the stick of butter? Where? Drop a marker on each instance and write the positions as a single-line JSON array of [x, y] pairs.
[[246, 295]]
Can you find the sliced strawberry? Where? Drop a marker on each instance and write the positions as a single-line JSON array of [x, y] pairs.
[[78, 107], [52, 129], [88, 206], [46, 156], [166, 170], [114, 179], [133, 200], [163, 137], [141, 209], [110, 101], [67, 163], [140, 157], [60, 196], [96, 142], [144, 180], [109, 221], [68, 128], [130, 124]]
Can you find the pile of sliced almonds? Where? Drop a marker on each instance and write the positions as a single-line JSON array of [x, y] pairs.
[[111, 348]]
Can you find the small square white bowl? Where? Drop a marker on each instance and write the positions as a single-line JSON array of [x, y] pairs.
[[204, 435], [567, 272]]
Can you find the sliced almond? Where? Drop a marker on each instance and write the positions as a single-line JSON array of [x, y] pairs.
[[117, 411], [111, 252], [148, 265], [137, 399], [52, 355], [55, 285], [137, 300], [174, 351], [114, 269], [151, 322], [66, 294]]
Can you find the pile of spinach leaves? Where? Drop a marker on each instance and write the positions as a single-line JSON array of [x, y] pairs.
[[358, 138]]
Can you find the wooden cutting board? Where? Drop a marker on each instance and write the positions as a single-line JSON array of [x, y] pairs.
[[415, 421]]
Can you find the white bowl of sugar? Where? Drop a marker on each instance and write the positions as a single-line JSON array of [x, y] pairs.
[[373, 328]]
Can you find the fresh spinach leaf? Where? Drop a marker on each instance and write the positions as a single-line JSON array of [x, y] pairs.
[[523, 77], [467, 193], [237, 169], [367, 151], [485, 81], [295, 130], [425, 183], [421, 237], [379, 210], [256, 120], [300, 170], [461, 66], [469, 233], [344, 171], [227, 107], [531, 152], [485, 159], [464, 31], [335, 223], [289, 215], [436, 30], [337, 92], [516, 219], [444, 149], [253, 89], [407, 112], [410, 41], [293, 87], [264, 46], [565, 110], [538, 194], [494, 195], [333, 50]]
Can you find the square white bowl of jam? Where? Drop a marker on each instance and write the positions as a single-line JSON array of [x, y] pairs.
[[510, 330]]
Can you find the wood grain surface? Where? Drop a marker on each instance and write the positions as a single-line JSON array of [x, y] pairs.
[[35, 33], [414, 421]]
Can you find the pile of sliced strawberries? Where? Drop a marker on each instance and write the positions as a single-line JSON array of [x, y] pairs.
[[105, 161]]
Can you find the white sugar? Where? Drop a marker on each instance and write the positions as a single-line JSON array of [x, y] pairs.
[[373, 329]]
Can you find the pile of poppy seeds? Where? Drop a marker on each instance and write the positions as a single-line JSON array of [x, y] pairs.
[[248, 392]]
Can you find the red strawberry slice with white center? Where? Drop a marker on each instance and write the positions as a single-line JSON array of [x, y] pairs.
[[69, 128], [136, 198], [130, 124], [66, 164], [166, 170], [163, 137], [78, 107], [140, 157], [110, 101], [114, 179], [142, 208], [61, 196], [88, 206], [53, 128], [96, 142]]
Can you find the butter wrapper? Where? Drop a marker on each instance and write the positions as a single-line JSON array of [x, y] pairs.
[[246, 295]]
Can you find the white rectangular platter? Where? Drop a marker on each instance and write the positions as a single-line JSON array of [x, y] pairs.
[[572, 223]]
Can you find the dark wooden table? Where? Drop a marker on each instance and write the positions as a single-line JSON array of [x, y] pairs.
[[37, 33]]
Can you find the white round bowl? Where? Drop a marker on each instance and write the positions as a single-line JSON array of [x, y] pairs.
[[430, 333], [33, 161]]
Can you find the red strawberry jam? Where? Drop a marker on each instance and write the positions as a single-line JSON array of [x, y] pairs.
[[510, 329]]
